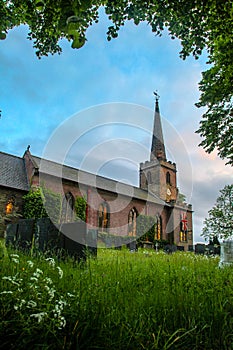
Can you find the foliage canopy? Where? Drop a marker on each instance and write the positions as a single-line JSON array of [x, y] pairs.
[[219, 224], [198, 24]]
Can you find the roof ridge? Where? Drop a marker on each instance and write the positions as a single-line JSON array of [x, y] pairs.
[[11, 155]]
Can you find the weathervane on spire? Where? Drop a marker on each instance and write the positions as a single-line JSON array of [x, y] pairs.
[[156, 95]]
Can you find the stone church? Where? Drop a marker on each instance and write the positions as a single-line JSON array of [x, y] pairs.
[[110, 208]]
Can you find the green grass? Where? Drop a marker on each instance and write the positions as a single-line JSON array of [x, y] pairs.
[[119, 300]]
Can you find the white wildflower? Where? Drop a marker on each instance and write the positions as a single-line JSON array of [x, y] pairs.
[[7, 292], [34, 278], [13, 279], [70, 295], [39, 316], [62, 321], [30, 263], [16, 261], [51, 292], [19, 306], [48, 280], [31, 303], [14, 255], [37, 273], [60, 272], [51, 261]]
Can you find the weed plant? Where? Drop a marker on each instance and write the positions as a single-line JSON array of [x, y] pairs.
[[119, 300]]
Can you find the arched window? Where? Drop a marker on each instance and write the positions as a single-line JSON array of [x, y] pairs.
[[10, 205], [183, 227], [67, 208], [132, 222], [103, 217], [168, 178], [149, 179], [159, 227]]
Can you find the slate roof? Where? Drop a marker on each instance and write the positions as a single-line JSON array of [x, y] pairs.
[[13, 172], [99, 182]]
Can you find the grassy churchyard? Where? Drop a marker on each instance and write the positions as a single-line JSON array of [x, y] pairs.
[[119, 300]]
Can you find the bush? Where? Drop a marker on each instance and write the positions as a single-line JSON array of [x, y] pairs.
[[80, 208], [41, 203], [146, 228]]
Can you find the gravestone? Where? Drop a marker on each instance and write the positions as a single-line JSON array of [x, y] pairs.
[[91, 241], [108, 242], [47, 235], [180, 248], [147, 245], [132, 246], [25, 233], [11, 234], [73, 238], [170, 248], [200, 248]]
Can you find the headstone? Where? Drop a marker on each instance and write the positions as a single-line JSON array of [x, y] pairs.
[[180, 248], [170, 248], [108, 242], [226, 254], [132, 246], [11, 234], [91, 241], [147, 245], [25, 233], [78, 242], [47, 235], [200, 248]]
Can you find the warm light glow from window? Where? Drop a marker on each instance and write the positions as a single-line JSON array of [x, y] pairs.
[[9, 208]]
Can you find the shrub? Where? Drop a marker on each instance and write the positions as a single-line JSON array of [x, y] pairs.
[[41, 203]]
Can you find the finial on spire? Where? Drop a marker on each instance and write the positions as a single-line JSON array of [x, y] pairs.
[[157, 97]]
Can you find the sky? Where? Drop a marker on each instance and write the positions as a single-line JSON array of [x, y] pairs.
[[93, 108]]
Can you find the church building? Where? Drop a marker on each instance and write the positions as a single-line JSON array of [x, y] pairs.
[[112, 207]]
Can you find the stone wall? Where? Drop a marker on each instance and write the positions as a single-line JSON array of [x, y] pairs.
[[7, 193]]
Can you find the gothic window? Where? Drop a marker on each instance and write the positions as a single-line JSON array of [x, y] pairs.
[[132, 222], [67, 208], [159, 227], [149, 180], [183, 227], [10, 206], [103, 217], [168, 178]]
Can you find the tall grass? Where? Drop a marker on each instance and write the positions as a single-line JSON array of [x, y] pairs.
[[119, 300]]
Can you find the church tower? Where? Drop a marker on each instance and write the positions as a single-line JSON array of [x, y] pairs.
[[159, 175]]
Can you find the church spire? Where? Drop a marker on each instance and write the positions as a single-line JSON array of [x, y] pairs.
[[157, 147]]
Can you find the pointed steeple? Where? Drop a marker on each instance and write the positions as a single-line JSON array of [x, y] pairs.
[[157, 146]]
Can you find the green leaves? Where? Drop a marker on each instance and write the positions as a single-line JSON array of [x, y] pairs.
[[220, 221], [41, 202], [80, 208]]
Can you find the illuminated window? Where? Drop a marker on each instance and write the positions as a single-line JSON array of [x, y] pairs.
[[103, 217], [159, 227], [132, 222], [67, 208], [183, 227], [10, 206]]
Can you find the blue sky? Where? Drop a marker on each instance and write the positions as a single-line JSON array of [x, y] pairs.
[[37, 97]]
